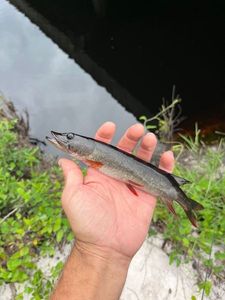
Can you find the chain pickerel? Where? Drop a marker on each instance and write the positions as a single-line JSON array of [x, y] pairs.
[[136, 173]]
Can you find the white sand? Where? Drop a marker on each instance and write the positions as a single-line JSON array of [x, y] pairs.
[[150, 276]]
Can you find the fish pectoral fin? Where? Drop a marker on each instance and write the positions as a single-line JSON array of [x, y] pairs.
[[94, 164], [132, 189]]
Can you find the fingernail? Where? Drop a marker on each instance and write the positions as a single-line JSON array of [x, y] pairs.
[[150, 134], [59, 163], [170, 153]]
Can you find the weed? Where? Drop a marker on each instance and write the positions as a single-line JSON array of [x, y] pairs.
[[192, 144], [204, 245], [31, 219], [166, 121], [32, 222]]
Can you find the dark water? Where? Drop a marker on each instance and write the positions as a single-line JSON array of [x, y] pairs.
[[147, 47], [38, 76], [133, 54]]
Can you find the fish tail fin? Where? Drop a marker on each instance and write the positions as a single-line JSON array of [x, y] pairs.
[[190, 206], [194, 204], [191, 217]]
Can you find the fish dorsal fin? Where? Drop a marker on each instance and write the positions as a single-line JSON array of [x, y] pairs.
[[180, 180]]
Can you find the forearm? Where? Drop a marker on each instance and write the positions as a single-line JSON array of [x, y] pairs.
[[92, 273]]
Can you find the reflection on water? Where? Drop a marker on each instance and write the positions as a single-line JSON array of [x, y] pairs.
[[41, 78]]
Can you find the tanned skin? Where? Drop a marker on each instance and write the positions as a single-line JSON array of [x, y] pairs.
[[109, 222]]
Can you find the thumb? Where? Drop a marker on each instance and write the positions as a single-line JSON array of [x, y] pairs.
[[72, 175]]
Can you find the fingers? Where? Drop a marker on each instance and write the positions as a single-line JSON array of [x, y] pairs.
[[131, 137], [106, 132], [167, 161], [147, 146], [72, 174]]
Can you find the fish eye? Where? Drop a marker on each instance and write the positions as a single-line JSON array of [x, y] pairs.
[[70, 136]]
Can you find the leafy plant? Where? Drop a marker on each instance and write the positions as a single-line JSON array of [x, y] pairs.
[[208, 188], [31, 220], [166, 121], [206, 172]]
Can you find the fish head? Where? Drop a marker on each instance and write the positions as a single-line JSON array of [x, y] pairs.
[[72, 143]]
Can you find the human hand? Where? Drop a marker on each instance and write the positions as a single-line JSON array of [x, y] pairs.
[[103, 213]]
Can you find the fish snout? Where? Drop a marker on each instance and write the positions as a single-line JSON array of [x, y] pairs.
[[58, 139], [56, 134], [61, 138]]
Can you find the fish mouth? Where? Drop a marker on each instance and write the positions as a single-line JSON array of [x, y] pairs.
[[59, 140]]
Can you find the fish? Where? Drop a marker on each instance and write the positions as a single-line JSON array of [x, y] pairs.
[[137, 174]]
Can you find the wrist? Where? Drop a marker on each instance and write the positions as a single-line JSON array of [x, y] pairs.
[[106, 268], [92, 272], [100, 256]]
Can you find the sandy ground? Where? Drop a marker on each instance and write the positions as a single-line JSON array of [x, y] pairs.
[[150, 276]]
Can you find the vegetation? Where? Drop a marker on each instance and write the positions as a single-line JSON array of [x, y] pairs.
[[205, 245], [165, 122], [32, 223], [31, 220], [204, 167]]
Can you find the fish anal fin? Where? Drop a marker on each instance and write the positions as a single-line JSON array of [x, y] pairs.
[[132, 189], [94, 164], [171, 208]]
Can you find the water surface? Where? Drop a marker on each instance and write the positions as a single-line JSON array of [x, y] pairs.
[[38, 76]]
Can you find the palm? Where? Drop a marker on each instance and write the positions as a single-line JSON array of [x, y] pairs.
[[103, 211], [108, 214]]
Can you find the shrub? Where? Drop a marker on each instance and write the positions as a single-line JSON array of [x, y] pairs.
[[31, 221]]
